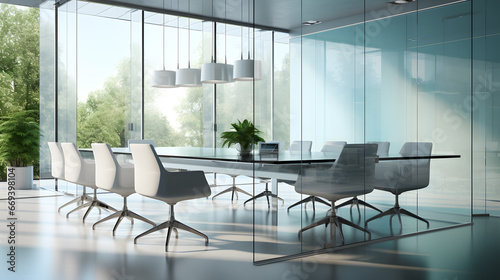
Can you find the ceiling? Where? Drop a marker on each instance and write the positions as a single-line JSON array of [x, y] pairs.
[[280, 15]]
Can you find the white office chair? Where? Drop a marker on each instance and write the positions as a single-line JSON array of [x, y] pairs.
[[141, 141], [300, 146], [399, 176], [81, 172], [330, 147], [57, 170], [382, 151], [154, 181], [115, 177], [351, 175]]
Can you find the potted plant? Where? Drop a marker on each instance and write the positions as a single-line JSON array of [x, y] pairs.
[[245, 134], [20, 147]]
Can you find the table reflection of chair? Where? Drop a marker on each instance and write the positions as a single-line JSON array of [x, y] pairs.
[[330, 147], [382, 150], [351, 175], [399, 176], [154, 181]]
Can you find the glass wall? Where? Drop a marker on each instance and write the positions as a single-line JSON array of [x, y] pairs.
[[47, 85], [104, 76], [484, 105], [396, 75], [173, 117]]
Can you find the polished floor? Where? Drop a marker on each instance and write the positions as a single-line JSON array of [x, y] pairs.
[[51, 246]]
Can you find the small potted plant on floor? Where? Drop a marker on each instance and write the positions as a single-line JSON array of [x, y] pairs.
[[245, 134], [20, 147]]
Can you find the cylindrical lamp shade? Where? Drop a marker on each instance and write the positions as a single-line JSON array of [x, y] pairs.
[[188, 77], [216, 73], [247, 70], [164, 79]]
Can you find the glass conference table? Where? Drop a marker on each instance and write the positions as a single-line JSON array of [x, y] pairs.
[[227, 161], [275, 229]]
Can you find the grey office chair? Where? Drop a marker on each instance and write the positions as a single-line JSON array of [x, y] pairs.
[[400, 176], [154, 181], [351, 175], [57, 171], [330, 147], [81, 172], [115, 177], [382, 151]]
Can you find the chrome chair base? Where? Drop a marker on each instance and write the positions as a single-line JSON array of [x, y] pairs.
[[94, 203], [356, 201], [312, 199], [396, 210], [234, 190], [124, 213], [267, 193], [335, 222], [79, 200], [172, 225]]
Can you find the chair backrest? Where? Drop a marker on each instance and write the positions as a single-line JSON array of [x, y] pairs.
[[333, 146], [75, 169], [153, 180], [383, 148], [56, 160], [106, 166], [141, 141], [414, 173], [300, 146], [148, 169], [351, 175]]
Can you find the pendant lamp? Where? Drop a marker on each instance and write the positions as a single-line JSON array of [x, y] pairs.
[[163, 78], [213, 72], [247, 69], [188, 77]]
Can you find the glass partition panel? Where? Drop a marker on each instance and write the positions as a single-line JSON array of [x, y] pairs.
[[133, 126], [104, 74], [66, 79], [47, 87], [443, 73], [333, 114], [398, 76], [174, 117], [485, 108]]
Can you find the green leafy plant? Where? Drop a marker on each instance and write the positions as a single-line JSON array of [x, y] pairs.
[[243, 133], [19, 139]]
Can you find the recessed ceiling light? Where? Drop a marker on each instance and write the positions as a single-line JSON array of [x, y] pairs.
[[311, 22], [401, 1]]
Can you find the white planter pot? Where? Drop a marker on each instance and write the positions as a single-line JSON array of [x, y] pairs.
[[23, 177]]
